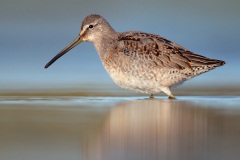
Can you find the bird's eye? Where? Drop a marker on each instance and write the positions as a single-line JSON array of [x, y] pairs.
[[90, 26]]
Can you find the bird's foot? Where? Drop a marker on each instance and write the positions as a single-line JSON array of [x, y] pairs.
[[151, 96], [171, 97]]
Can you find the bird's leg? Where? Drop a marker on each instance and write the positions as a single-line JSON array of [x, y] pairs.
[[151, 96], [168, 92]]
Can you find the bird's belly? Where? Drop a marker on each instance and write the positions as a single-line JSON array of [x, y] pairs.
[[136, 84], [149, 81]]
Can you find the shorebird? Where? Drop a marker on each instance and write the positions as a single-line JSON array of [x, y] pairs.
[[140, 61]]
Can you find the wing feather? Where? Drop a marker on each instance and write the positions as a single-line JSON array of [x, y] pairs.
[[160, 51]]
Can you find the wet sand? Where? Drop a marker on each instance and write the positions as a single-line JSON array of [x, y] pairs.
[[119, 128]]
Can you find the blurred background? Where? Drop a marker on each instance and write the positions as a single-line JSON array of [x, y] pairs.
[[33, 31]]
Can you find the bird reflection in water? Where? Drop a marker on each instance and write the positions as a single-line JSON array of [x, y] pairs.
[[155, 129]]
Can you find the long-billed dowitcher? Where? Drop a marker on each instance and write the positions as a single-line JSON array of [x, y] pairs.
[[140, 61]]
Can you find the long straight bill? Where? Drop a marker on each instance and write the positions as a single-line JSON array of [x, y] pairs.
[[74, 43]]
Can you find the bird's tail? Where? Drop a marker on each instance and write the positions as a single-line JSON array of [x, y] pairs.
[[208, 65]]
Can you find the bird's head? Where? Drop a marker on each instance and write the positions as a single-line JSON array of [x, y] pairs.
[[93, 27]]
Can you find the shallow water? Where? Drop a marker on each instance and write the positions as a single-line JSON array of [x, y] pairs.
[[119, 128]]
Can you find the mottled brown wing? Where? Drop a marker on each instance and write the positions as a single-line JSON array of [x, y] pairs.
[[160, 51]]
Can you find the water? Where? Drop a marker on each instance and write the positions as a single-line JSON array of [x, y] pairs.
[[119, 128]]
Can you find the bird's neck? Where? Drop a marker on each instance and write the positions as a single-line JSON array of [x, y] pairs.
[[105, 43]]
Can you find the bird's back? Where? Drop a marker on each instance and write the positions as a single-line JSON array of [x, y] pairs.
[[161, 51]]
